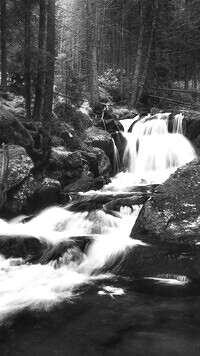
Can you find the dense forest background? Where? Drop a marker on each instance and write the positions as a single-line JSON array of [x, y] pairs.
[[99, 50]]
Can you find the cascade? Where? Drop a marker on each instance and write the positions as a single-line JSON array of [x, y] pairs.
[[178, 123], [126, 123], [42, 285], [152, 153], [78, 248], [116, 158]]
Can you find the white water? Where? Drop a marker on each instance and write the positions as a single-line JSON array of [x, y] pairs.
[[24, 285], [116, 158], [178, 123], [152, 153]]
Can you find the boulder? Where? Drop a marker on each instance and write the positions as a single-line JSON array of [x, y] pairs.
[[61, 158], [96, 137], [21, 246], [98, 161], [83, 184], [19, 199], [64, 165], [48, 193], [172, 213], [19, 167]]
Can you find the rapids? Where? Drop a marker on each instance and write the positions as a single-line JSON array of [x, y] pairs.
[[40, 286], [85, 249]]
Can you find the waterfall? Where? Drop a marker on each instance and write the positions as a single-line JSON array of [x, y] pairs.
[[178, 123], [79, 248], [116, 158], [126, 123], [152, 153]]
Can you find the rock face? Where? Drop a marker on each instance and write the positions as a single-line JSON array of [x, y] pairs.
[[172, 213]]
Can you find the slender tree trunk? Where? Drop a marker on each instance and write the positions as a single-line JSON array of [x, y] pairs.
[[49, 77], [186, 77], [28, 57], [138, 63], [92, 77], [3, 47], [148, 54], [39, 88]]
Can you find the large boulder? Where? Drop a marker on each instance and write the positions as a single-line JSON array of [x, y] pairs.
[[19, 199], [19, 167], [96, 137], [64, 165], [172, 213], [98, 161], [83, 184]]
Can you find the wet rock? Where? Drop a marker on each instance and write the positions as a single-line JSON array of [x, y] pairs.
[[172, 212], [19, 198], [19, 167], [96, 137], [64, 165], [48, 193], [12, 131], [83, 184], [99, 163], [20, 246], [63, 159]]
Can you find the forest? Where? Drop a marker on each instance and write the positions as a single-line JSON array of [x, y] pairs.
[[86, 49], [99, 177], [71, 66]]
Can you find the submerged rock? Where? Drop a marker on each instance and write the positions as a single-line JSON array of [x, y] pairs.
[[21, 246], [173, 211]]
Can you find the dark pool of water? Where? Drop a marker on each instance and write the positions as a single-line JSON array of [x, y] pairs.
[[149, 319]]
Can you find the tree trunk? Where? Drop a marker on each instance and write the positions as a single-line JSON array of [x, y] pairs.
[[148, 54], [28, 57], [3, 47], [138, 63], [186, 77], [49, 77], [39, 88], [92, 77]]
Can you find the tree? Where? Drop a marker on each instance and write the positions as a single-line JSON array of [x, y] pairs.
[[39, 88], [91, 45], [138, 62], [27, 63], [149, 48], [49, 76], [3, 46]]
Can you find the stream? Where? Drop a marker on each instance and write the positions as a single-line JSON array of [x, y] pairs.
[[71, 281]]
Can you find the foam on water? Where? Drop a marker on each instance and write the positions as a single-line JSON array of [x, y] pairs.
[[35, 286], [152, 154]]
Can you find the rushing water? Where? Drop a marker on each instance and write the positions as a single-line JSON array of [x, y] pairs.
[[70, 299]]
